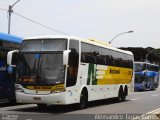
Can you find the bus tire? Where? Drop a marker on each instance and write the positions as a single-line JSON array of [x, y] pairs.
[[125, 93], [41, 106], [12, 100], [120, 97], [83, 99]]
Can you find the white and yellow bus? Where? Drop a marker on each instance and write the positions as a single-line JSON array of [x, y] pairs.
[[66, 70]]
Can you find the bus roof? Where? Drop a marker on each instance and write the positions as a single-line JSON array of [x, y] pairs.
[[10, 38], [138, 62], [90, 41]]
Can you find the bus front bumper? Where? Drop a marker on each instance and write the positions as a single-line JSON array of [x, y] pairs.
[[55, 98], [139, 87]]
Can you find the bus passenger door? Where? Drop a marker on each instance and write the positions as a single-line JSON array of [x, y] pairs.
[[83, 74], [72, 71]]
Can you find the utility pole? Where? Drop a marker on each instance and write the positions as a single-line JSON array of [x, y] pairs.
[[9, 15], [9, 18]]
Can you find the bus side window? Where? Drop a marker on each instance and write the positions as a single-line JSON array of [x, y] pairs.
[[3, 55]]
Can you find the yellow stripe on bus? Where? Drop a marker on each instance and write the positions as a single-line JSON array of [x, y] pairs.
[[114, 75], [46, 88]]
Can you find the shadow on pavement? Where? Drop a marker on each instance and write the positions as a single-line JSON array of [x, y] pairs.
[[57, 109], [7, 103]]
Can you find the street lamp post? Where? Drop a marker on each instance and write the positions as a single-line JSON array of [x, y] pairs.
[[119, 35], [9, 15]]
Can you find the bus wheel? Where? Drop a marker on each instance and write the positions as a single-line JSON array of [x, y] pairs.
[[125, 93], [42, 106], [12, 101], [83, 100], [120, 97]]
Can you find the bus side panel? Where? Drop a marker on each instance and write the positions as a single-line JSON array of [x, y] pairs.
[[6, 83], [3, 93], [101, 83]]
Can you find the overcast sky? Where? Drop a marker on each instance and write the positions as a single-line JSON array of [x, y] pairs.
[[100, 19]]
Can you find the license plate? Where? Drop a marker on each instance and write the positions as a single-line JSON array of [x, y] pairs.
[[36, 98]]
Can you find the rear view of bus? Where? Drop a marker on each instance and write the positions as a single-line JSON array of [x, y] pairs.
[[146, 76]]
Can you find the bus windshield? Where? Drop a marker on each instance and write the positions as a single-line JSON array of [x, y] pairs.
[[139, 67], [41, 67], [139, 78]]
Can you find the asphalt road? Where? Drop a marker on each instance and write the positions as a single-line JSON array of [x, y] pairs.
[[137, 103]]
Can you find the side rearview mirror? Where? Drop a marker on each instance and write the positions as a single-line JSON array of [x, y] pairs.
[[66, 57], [10, 57]]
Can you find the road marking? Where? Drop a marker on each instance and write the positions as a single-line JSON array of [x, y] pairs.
[[155, 95], [135, 93], [149, 116], [152, 114], [18, 107], [134, 99], [154, 111]]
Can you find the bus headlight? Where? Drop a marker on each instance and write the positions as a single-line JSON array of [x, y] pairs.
[[19, 90]]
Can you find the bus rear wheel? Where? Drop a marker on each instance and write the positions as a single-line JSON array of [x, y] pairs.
[[125, 93], [120, 97], [83, 100]]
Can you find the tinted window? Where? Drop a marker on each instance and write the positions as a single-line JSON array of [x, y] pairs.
[[40, 69], [10, 45], [3, 55], [44, 45], [73, 63], [102, 56]]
